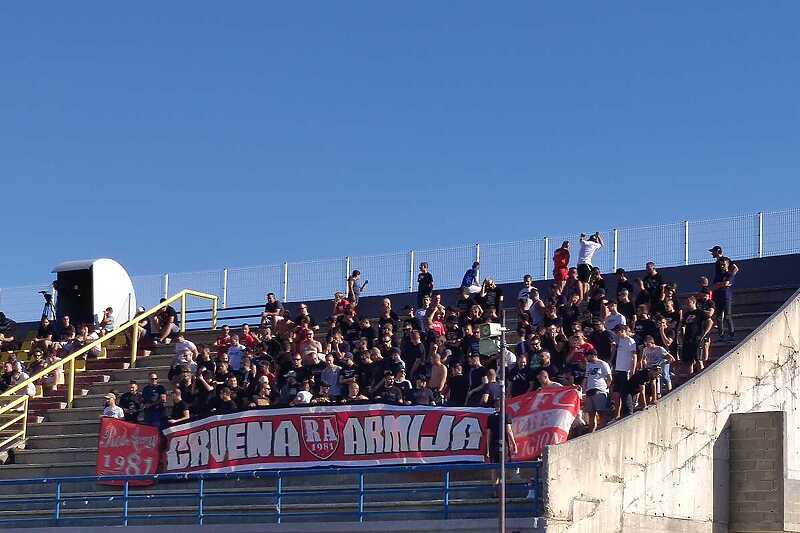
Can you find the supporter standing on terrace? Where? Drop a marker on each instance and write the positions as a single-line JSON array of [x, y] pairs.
[[470, 279], [598, 379], [625, 365], [154, 399], [723, 297], [110, 407], [354, 287], [561, 264], [719, 256], [424, 283], [589, 245], [131, 402]]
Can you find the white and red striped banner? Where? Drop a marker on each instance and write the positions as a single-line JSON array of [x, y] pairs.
[[542, 417], [342, 435]]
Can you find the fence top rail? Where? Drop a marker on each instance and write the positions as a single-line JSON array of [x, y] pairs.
[[120, 329], [258, 474]]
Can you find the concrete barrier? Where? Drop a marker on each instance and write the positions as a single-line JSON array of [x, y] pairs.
[[667, 468]]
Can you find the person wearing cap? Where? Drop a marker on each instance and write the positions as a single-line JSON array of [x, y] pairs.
[[723, 297], [709, 311], [716, 253], [303, 397], [111, 409]]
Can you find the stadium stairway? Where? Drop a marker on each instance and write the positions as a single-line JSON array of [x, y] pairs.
[[63, 442]]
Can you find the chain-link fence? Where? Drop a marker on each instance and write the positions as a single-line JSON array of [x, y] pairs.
[[681, 243]]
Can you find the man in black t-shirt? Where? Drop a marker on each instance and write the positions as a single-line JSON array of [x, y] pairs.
[[180, 410], [644, 325], [131, 402], [424, 283], [520, 376], [495, 436], [491, 295], [653, 282], [421, 394], [154, 398], [716, 253], [272, 309], [458, 386], [602, 340]]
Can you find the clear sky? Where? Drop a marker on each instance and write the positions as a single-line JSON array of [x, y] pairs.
[[178, 136]]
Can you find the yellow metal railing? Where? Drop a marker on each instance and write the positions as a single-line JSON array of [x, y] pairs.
[[21, 417], [69, 361]]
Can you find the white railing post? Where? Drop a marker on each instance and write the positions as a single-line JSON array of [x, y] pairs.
[[478, 252], [615, 248], [546, 255], [224, 288], [685, 242], [760, 234], [166, 285], [346, 271], [411, 271], [285, 282]]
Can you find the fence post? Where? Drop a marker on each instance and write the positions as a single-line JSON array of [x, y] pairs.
[[70, 382], [685, 242], [760, 234], [224, 288], [546, 255], [183, 312], [615, 248], [411, 272], [285, 282], [347, 267], [478, 252], [166, 285]]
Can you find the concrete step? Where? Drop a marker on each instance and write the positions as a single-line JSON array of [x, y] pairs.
[[64, 428], [122, 385], [140, 374], [55, 456], [111, 363], [54, 442], [28, 471], [91, 377], [39, 405], [91, 400], [74, 414]]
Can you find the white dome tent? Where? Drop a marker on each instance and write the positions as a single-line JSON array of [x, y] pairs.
[[86, 288]]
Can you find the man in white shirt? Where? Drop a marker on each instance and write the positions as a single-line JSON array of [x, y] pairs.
[[596, 382], [589, 245], [624, 367], [524, 296], [111, 408], [185, 350]]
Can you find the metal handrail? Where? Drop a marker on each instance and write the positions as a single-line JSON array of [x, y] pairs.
[[438, 497], [22, 417], [70, 359]]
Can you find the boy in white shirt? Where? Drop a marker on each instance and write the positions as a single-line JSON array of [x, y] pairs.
[[596, 383]]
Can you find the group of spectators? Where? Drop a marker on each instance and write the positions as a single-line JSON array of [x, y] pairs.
[[621, 350], [52, 342]]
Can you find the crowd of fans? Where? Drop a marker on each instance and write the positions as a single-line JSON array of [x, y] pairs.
[[621, 350]]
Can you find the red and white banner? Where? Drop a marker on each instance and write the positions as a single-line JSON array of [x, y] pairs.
[[542, 417], [342, 435], [127, 449]]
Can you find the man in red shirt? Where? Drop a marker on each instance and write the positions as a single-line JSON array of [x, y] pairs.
[[247, 337], [561, 264]]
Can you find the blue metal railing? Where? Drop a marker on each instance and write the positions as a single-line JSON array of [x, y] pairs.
[[354, 494]]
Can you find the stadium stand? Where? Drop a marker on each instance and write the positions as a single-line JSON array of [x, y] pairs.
[[422, 355]]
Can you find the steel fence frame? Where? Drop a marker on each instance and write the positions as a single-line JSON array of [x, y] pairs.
[[748, 236]]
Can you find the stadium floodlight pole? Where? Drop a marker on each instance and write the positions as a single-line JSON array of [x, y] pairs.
[[502, 377]]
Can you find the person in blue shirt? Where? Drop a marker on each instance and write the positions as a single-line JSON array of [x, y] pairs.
[[470, 280]]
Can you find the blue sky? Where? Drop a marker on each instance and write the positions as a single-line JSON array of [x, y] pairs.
[[191, 135]]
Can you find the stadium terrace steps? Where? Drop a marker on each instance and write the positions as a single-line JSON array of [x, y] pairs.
[[64, 443]]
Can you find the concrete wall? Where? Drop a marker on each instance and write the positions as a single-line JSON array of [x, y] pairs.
[[666, 468]]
